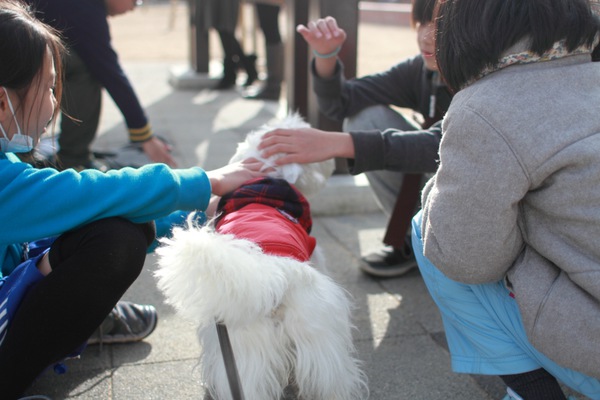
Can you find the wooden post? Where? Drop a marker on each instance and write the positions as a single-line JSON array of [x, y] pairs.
[[199, 56], [296, 55], [346, 14], [300, 96], [196, 74]]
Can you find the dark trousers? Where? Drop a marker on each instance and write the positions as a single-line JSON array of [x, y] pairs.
[[81, 104], [268, 18], [397, 193], [92, 267]]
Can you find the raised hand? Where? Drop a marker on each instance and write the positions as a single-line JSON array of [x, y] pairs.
[[323, 35]]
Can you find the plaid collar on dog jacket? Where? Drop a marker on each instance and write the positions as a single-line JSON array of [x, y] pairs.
[[271, 213]]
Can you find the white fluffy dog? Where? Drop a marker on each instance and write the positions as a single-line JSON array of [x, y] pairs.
[[288, 323]]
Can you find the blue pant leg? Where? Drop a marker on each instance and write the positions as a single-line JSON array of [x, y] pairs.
[[478, 343], [484, 329]]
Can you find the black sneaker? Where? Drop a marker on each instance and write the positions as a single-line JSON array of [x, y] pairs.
[[389, 262], [127, 322]]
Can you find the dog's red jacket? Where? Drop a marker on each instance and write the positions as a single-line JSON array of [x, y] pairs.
[[271, 213]]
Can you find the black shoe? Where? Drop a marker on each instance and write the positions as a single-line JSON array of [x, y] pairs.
[[229, 78], [249, 64], [389, 262], [127, 322], [268, 91]]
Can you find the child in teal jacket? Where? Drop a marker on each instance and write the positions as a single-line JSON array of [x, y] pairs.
[[53, 297]]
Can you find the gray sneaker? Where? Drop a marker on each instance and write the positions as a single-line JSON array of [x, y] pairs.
[[127, 322]]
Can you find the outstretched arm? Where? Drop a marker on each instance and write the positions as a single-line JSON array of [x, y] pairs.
[[89, 32], [306, 145]]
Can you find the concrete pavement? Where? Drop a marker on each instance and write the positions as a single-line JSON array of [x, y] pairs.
[[399, 332]]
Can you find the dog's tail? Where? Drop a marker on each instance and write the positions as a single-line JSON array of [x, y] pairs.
[[208, 277]]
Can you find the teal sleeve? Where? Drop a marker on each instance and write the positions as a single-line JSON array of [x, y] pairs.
[[38, 203]]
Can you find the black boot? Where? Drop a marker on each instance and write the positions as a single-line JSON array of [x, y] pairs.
[[229, 74], [234, 60], [271, 90], [249, 65]]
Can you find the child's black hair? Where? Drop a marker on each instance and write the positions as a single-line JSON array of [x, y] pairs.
[[422, 11], [24, 43], [472, 35]]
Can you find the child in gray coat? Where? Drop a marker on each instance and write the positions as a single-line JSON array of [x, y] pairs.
[[507, 237]]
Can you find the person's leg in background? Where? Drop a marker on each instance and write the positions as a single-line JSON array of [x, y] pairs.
[[223, 15], [92, 267], [387, 261], [485, 335], [233, 59], [268, 17], [81, 104]]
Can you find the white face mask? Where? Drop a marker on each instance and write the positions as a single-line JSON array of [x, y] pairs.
[[19, 143]]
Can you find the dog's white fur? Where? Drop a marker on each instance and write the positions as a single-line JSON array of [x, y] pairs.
[[287, 322], [307, 178]]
